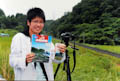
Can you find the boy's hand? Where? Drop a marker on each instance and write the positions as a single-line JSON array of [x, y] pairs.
[[30, 57], [61, 47]]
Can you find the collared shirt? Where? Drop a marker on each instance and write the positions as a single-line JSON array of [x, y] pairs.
[[20, 47]]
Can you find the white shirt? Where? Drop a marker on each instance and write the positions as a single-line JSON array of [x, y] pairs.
[[20, 47]]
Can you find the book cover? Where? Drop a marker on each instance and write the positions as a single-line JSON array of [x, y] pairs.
[[41, 47]]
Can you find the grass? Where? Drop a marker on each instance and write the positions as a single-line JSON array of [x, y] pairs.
[[11, 32], [5, 70], [110, 48], [91, 65]]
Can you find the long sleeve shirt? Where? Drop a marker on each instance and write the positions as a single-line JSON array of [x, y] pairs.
[[20, 47]]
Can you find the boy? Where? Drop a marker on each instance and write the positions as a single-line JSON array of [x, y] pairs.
[[21, 56]]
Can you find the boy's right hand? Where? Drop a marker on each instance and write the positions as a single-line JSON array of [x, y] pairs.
[[30, 57]]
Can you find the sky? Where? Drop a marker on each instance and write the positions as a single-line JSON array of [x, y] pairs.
[[53, 9]]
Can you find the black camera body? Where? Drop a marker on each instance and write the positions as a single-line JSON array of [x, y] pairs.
[[66, 37]]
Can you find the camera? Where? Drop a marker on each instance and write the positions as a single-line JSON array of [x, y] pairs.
[[66, 37]]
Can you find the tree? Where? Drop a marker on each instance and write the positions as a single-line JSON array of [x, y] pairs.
[[2, 12], [97, 21], [19, 28]]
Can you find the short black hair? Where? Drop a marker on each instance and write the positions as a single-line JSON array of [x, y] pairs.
[[35, 12], [32, 13]]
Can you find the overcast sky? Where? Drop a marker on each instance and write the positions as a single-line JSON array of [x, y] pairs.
[[53, 8]]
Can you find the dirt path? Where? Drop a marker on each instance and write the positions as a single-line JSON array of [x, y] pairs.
[[100, 50]]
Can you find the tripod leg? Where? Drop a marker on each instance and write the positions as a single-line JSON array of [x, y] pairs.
[[68, 67], [56, 70], [74, 57]]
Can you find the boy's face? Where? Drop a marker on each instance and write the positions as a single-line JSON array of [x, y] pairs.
[[36, 25]]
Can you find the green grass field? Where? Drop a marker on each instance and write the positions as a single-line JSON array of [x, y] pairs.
[[91, 66], [5, 70], [114, 49], [11, 32]]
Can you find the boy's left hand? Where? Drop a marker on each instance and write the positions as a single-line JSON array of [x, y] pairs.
[[62, 47]]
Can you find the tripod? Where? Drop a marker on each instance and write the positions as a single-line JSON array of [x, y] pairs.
[[66, 63]]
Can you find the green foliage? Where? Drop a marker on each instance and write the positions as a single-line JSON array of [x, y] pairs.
[[94, 21], [17, 22], [2, 13], [5, 70], [19, 28], [11, 32]]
